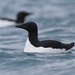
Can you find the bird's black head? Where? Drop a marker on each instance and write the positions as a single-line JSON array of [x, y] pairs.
[[29, 26], [21, 15]]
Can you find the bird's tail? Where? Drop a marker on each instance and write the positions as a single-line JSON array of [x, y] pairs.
[[73, 43]]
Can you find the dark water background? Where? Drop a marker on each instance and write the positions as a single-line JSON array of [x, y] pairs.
[[55, 20]]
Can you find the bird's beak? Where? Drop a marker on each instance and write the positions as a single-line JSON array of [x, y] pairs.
[[21, 26], [30, 13]]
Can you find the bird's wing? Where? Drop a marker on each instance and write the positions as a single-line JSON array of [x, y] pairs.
[[51, 43]]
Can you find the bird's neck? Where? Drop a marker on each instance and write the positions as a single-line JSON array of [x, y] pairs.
[[33, 38]]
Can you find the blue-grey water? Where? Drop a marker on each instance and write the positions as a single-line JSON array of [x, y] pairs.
[[55, 20]]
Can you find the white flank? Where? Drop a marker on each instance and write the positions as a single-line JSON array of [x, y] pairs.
[[4, 23], [30, 48]]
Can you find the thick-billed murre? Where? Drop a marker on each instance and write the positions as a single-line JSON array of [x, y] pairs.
[[20, 18], [47, 46]]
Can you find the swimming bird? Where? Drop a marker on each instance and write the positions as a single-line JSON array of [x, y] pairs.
[[33, 44], [20, 18]]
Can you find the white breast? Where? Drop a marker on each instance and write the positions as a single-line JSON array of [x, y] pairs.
[[30, 48], [4, 23]]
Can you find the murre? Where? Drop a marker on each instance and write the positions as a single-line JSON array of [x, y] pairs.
[[20, 18], [45, 46]]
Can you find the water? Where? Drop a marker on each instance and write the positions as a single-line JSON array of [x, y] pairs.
[[55, 20]]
